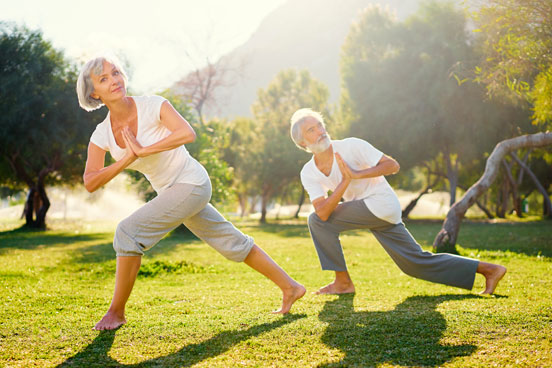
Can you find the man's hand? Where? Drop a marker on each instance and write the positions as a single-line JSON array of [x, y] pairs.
[[132, 143], [346, 171]]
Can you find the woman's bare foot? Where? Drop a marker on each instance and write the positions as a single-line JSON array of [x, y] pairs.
[[290, 296], [337, 288], [110, 321], [493, 275]]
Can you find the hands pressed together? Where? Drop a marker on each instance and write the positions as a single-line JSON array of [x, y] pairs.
[[346, 171], [133, 147]]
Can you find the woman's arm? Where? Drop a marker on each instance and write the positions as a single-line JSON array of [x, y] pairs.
[[95, 174], [181, 133]]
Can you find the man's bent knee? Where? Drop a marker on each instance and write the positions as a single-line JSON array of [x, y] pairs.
[[314, 220]]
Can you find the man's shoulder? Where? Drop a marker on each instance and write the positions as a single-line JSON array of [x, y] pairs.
[[308, 167], [348, 144]]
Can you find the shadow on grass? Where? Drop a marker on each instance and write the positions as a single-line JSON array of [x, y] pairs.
[[283, 230], [407, 336], [28, 239], [96, 354]]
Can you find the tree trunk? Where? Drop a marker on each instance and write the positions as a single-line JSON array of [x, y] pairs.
[[36, 207], [546, 198], [301, 201], [516, 200], [446, 238], [502, 200], [452, 176], [264, 203], [485, 210], [414, 202], [242, 201]]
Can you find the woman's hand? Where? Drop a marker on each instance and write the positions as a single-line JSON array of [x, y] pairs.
[[132, 143]]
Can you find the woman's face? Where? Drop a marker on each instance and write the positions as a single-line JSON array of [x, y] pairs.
[[109, 85]]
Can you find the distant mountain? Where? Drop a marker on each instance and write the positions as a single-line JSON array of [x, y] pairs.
[[302, 34]]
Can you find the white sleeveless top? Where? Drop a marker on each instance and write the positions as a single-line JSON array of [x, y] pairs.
[[162, 169]]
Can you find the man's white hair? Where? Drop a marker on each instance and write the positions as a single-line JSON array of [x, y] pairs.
[[297, 120], [84, 82]]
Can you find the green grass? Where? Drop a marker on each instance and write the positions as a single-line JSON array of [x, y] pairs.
[[191, 307]]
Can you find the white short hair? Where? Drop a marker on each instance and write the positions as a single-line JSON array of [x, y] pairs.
[[84, 83], [297, 119]]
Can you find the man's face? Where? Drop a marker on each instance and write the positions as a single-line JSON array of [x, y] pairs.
[[315, 137]]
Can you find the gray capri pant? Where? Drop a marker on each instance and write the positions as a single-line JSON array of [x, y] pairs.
[[181, 203], [443, 268]]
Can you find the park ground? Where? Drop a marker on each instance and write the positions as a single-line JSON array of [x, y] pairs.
[[191, 307]]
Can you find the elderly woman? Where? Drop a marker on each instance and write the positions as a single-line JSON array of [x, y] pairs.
[[147, 134]]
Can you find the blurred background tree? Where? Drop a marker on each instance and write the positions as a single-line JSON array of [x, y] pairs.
[[43, 131], [280, 161]]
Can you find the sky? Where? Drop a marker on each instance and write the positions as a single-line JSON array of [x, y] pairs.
[[160, 40]]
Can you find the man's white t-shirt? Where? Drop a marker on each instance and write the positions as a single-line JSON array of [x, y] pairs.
[[162, 169], [376, 192]]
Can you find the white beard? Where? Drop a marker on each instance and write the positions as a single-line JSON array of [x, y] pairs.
[[323, 144]]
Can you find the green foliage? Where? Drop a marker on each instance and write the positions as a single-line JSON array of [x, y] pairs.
[[406, 86], [208, 149], [243, 153], [155, 268], [43, 130], [517, 63]]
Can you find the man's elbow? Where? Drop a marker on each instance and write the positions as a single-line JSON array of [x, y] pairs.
[[193, 136], [322, 216], [396, 167]]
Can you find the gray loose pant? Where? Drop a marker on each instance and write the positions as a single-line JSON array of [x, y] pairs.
[[181, 203], [442, 268]]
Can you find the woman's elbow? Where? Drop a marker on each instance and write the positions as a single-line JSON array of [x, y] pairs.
[[90, 188]]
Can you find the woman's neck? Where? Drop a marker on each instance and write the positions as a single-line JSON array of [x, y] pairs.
[[121, 110]]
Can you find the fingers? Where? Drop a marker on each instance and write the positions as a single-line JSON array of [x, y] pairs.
[[130, 141], [344, 167]]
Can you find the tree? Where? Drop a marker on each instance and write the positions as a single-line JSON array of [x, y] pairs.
[[43, 131], [280, 161], [203, 86], [241, 153], [516, 66], [401, 81], [447, 236]]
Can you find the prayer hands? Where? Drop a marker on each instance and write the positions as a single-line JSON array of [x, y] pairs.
[[346, 171], [132, 143]]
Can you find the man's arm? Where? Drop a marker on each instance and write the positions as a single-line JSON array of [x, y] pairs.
[[325, 206], [386, 166]]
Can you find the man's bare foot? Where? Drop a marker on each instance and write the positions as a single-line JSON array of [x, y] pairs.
[[110, 321], [290, 296], [492, 277], [337, 288]]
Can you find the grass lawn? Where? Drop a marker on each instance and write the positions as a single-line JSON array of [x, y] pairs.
[[191, 307]]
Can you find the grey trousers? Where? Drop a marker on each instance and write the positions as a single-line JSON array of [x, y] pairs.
[[441, 268], [181, 203]]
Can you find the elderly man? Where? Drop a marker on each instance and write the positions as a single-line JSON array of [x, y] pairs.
[[353, 170]]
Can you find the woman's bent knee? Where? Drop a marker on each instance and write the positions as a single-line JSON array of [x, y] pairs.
[[124, 242]]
